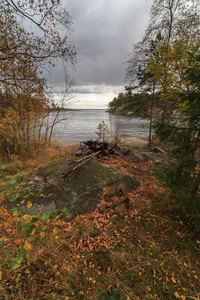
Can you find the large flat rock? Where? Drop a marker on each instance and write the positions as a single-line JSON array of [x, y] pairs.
[[79, 193]]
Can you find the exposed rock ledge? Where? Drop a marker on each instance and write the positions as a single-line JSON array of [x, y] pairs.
[[80, 192]]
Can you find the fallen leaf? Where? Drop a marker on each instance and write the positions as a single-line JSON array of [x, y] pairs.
[[173, 279], [177, 295], [53, 294], [154, 273], [27, 246], [29, 205]]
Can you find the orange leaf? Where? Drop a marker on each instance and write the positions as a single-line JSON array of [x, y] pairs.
[[173, 279], [29, 204], [154, 273], [177, 295]]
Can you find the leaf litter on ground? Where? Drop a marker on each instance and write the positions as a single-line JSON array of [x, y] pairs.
[[145, 251]]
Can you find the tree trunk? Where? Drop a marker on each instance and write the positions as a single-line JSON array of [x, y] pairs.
[[151, 115], [194, 189]]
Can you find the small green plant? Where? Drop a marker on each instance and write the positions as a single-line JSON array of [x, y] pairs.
[[111, 294], [29, 229], [4, 166], [103, 131]]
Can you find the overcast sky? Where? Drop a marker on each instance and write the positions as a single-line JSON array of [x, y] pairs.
[[103, 34]]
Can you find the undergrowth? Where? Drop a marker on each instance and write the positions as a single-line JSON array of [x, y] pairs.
[[143, 251]]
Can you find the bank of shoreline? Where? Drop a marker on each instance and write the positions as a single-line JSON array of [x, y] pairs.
[[130, 141]]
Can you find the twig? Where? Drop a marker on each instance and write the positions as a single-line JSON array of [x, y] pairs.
[[80, 160], [84, 160], [45, 177], [56, 202], [7, 234]]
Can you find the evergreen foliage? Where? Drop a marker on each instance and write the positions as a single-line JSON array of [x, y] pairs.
[[167, 58], [182, 173], [131, 104], [103, 131]]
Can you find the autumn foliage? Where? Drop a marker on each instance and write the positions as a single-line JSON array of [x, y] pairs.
[[143, 250], [30, 43]]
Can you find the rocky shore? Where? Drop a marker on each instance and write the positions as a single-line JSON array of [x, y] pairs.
[[77, 181]]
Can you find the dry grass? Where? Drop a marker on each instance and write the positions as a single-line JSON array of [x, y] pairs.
[[146, 252], [39, 157]]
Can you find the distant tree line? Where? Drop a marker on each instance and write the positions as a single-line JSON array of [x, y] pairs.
[[131, 103]]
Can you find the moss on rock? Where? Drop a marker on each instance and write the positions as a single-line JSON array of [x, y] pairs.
[[79, 192]]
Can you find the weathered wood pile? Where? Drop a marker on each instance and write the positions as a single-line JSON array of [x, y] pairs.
[[103, 148], [91, 149]]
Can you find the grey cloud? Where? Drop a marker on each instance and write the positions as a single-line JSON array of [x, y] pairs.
[[103, 34], [98, 89]]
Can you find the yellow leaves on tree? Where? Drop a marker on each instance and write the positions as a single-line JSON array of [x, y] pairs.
[[23, 54]]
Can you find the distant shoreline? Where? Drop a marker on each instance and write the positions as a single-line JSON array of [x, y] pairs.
[[62, 109], [155, 116], [75, 109]]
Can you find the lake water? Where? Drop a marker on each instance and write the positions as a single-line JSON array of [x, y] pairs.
[[82, 124]]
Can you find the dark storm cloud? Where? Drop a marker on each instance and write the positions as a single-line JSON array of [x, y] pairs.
[[103, 34]]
